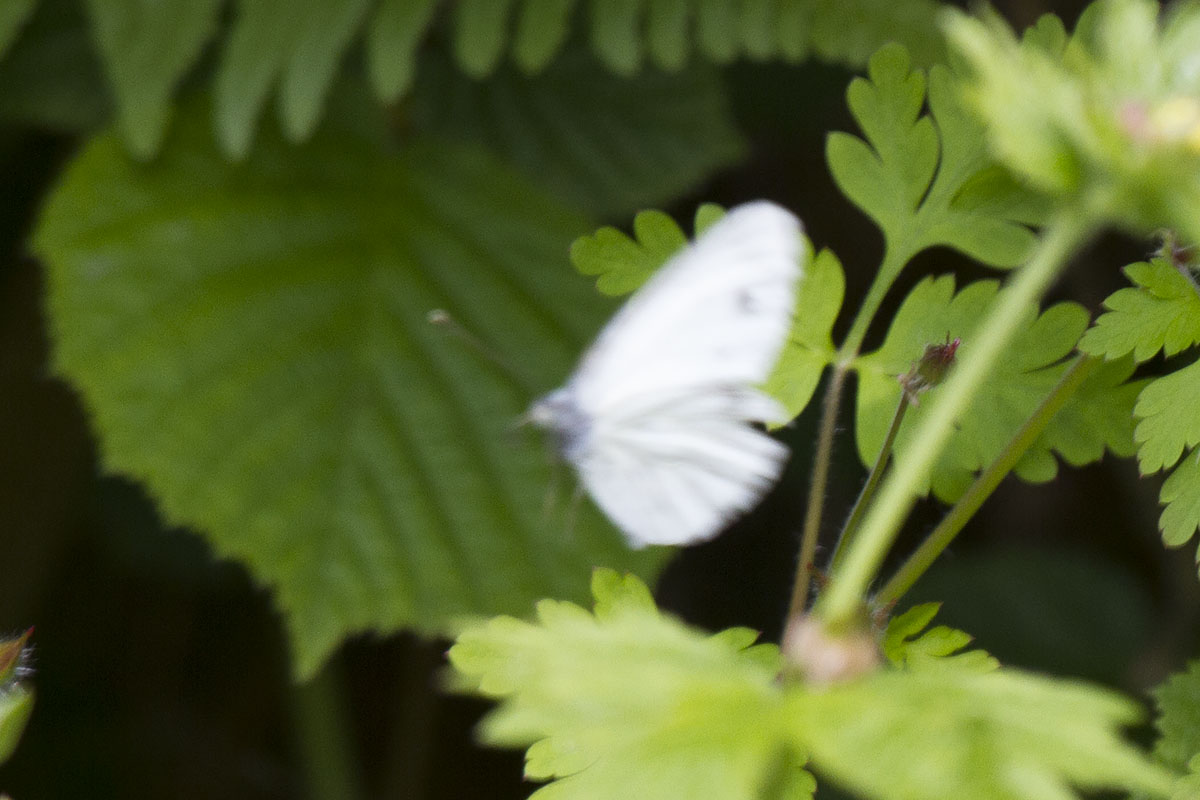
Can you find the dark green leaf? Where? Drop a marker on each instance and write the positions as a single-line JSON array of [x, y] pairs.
[[602, 143], [251, 341], [147, 48]]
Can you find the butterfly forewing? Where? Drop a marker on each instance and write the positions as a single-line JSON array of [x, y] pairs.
[[655, 418], [716, 314]]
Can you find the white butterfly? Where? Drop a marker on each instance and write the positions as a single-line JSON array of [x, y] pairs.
[[656, 417]]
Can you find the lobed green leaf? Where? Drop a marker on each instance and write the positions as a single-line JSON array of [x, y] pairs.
[[251, 342], [623, 263], [909, 643], [1178, 722], [809, 347], [1097, 418], [1162, 314], [1166, 428], [925, 180], [628, 698], [950, 734]]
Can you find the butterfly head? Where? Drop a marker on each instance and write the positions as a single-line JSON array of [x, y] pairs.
[[559, 413]]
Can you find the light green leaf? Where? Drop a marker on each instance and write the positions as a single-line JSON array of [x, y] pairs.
[[1097, 417], [1181, 497], [251, 341], [609, 145], [392, 39], [1162, 313], [1170, 418], [919, 176], [908, 644], [810, 345], [13, 15], [628, 700], [1178, 723], [954, 734], [147, 48], [16, 704], [621, 263]]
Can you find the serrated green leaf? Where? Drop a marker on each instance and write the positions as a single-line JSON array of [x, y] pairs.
[[599, 142], [1169, 419], [908, 644], [13, 15], [809, 347], [952, 734], [16, 705], [630, 701], [147, 48], [252, 343], [1180, 495], [541, 30], [1095, 419], [1161, 314], [394, 33], [480, 34], [918, 176], [1178, 722]]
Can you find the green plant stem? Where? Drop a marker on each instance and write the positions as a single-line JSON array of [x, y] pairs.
[[848, 586], [975, 496], [830, 406], [889, 268], [868, 490], [323, 738], [816, 490]]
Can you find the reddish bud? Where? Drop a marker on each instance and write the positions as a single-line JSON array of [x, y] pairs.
[[929, 370]]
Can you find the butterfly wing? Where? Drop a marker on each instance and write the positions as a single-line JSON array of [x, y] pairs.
[[716, 314], [655, 417], [679, 473]]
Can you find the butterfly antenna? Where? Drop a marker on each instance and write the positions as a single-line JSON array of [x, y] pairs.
[[442, 318]]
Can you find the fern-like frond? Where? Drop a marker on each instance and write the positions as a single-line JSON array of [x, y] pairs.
[[293, 50]]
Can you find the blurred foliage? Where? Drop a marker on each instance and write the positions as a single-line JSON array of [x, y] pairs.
[[237, 294]]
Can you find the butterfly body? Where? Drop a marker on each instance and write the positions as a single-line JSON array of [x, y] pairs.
[[657, 417]]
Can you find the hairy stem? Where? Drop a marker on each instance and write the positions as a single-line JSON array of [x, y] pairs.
[[868, 490], [975, 496], [848, 586], [816, 490], [830, 405]]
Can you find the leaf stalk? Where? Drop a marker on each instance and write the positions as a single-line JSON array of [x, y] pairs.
[[848, 585]]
